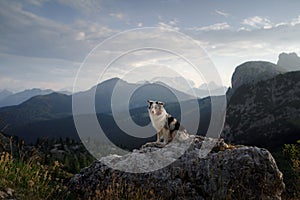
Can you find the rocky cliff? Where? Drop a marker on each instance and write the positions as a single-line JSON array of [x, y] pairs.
[[227, 172], [266, 113], [254, 71]]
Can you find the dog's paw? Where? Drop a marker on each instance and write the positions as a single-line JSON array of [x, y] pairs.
[[149, 144], [154, 144], [161, 144]]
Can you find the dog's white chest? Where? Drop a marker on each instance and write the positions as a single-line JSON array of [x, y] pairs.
[[159, 121]]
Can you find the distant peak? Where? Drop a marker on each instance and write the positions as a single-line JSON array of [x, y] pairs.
[[115, 79], [289, 61], [33, 89], [255, 64], [5, 91], [292, 54], [253, 71]]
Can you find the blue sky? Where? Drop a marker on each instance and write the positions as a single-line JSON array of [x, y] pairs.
[[43, 42]]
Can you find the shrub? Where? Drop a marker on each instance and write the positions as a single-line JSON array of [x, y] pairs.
[[28, 179], [292, 153]]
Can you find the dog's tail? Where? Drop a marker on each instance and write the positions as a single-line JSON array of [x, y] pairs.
[[181, 135]]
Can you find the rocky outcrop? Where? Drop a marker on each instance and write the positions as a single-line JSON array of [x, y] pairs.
[[266, 113], [289, 61], [253, 72], [226, 172]]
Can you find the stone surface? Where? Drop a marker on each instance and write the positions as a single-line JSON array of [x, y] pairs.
[[226, 172]]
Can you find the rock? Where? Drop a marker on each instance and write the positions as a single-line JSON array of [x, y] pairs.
[[253, 72], [265, 114], [226, 172], [7, 194], [289, 61]]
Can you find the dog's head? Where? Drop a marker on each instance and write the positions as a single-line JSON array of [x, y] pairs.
[[155, 107]]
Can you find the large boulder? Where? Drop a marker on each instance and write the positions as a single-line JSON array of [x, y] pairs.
[[226, 172]]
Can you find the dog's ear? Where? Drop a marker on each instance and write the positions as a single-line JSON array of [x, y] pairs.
[[150, 102], [160, 103]]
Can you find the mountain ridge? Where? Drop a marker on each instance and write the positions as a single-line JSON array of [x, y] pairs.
[[20, 97], [42, 114]]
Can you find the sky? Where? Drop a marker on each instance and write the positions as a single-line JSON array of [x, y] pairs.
[[43, 43]]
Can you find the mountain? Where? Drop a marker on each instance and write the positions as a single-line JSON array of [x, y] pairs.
[[40, 116], [203, 91], [188, 86], [254, 71], [179, 83], [289, 61], [20, 97], [51, 115], [49, 125], [137, 95], [157, 91], [4, 94], [38, 108], [266, 113]]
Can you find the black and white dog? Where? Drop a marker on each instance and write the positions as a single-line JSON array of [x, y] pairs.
[[165, 125]]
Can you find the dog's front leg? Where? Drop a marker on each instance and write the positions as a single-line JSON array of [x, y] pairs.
[[166, 136], [158, 138], [159, 134]]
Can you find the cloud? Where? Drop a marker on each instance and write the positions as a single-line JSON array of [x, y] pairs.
[[230, 48], [117, 15], [213, 27], [37, 2], [94, 33], [24, 33], [281, 24], [20, 72], [295, 21], [45, 49], [257, 22], [85, 7], [174, 22], [224, 14], [39, 52], [168, 25], [254, 42]]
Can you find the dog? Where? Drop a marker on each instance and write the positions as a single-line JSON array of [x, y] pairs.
[[165, 125]]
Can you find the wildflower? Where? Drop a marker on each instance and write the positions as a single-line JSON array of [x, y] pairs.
[[56, 163]]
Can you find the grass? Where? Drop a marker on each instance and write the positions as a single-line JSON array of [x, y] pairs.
[[35, 174], [288, 162], [32, 177], [31, 180]]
